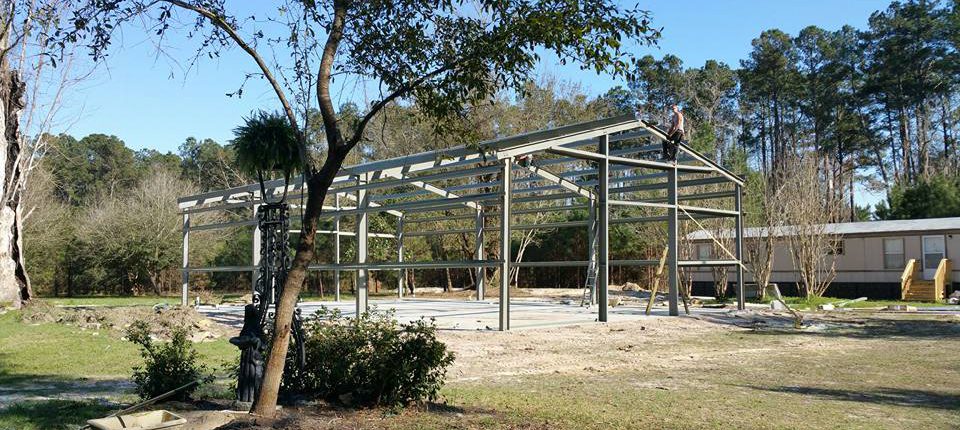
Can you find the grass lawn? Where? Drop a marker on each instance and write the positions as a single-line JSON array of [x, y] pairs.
[[804, 303], [58, 352], [54, 360], [870, 371], [819, 390]]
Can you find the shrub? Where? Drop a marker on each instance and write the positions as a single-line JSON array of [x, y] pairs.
[[370, 361], [166, 365]]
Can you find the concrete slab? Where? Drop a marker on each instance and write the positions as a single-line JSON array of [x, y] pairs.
[[468, 315]]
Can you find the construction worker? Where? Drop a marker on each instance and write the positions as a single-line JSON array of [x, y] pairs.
[[674, 135]]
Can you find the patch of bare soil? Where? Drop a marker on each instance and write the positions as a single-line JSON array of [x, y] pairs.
[[115, 320], [682, 350], [668, 343], [570, 349]]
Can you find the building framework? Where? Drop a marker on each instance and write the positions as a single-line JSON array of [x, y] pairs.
[[606, 167]]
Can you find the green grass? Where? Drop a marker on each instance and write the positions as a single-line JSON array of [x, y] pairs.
[[871, 378], [802, 303], [51, 359], [892, 371], [64, 353], [51, 414]]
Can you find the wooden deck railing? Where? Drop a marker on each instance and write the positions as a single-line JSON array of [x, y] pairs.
[[942, 278], [906, 280]]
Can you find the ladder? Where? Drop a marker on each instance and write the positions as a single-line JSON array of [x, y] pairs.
[[590, 285]]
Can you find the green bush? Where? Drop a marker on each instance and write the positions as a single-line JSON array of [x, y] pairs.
[[166, 365], [370, 361]]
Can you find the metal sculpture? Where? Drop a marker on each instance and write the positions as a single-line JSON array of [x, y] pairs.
[[251, 342], [274, 224], [273, 221]]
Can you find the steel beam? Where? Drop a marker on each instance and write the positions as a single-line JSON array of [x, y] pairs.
[[738, 205], [255, 251], [592, 249], [221, 269], [434, 189], [411, 265], [185, 272], [401, 273], [632, 162], [603, 228], [716, 167], [561, 182], [478, 253], [505, 176], [336, 249], [363, 278], [673, 244]]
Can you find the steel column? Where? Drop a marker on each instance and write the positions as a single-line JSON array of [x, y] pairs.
[[401, 273], [185, 275], [603, 228], [255, 251], [363, 225], [336, 249], [592, 249], [505, 175], [738, 206], [478, 253], [673, 244]]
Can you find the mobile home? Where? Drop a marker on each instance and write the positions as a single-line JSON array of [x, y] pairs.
[[876, 259]]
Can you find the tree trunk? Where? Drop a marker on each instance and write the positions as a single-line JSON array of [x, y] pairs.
[[945, 128], [154, 279], [318, 184], [14, 282], [905, 147]]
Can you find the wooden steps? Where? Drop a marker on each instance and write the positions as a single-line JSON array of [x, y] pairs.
[[921, 291], [914, 288]]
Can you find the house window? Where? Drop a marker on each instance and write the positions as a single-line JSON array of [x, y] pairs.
[[704, 251], [893, 254]]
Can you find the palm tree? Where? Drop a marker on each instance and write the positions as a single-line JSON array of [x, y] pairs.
[[267, 143]]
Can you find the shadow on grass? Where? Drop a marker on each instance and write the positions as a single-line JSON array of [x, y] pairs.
[[879, 396], [17, 386], [323, 415], [51, 414]]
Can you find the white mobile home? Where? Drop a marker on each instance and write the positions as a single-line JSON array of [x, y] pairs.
[[871, 260]]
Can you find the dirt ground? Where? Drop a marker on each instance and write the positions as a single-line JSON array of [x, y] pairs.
[[855, 369], [570, 349], [115, 320]]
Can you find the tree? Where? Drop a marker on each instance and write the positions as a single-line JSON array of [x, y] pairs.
[[769, 81], [762, 210], [808, 208], [47, 225], [209, 165], [936, 197], [135, 236], [94, 167], [31, 94], [435, 52]]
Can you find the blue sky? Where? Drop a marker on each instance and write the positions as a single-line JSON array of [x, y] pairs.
[[151, 102]]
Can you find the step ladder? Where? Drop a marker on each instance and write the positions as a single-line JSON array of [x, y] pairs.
[[590, 285]]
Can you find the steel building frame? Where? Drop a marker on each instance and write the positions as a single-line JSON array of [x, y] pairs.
[[597, 165]]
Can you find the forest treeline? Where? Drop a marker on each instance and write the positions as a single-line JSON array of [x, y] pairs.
[[875, 109]]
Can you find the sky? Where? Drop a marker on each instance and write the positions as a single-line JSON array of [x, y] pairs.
[[151, 101]]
